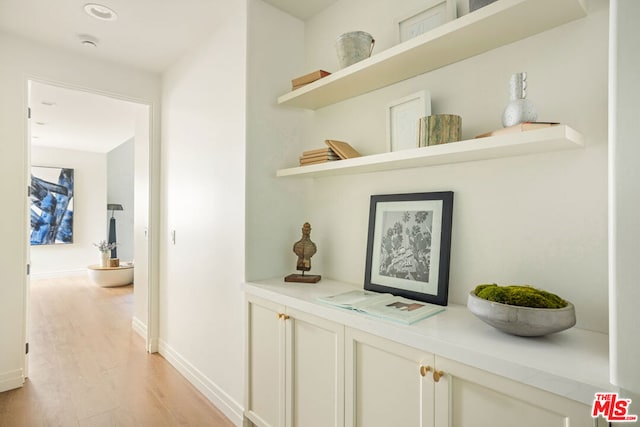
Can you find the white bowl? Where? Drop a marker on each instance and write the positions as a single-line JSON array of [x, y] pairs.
[[109, 277], [522, 321]]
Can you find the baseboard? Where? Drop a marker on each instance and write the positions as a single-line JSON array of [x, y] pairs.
[[139, 327], [232, 409], [10, 380], [57, 274]]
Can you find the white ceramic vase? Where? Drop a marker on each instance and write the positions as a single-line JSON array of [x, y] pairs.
[[104, 259], [519, 109]]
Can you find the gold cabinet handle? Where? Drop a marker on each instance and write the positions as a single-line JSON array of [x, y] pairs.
[[279, 315], [282, 316], [437, 375], [424, 370]]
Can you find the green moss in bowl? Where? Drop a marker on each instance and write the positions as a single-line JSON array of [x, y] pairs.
[[520, 295]]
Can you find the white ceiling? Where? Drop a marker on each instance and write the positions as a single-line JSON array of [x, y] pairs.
[[148, 34], [302, 9], [77, 120]]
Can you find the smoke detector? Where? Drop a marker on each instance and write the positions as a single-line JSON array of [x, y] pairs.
[[88, 40]]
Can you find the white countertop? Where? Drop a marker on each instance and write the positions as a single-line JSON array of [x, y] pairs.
[[572, 363]]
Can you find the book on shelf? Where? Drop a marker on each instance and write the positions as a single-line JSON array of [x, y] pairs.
[[313, 161], [342, 149], [319, 155], [298, 82], [386, 306], [330, 156], [307, 159], [318, 151], [520, 127]]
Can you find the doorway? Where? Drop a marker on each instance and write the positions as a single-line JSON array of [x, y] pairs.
[[106, 140]]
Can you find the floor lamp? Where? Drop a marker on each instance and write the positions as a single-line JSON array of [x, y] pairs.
[[112, 227]]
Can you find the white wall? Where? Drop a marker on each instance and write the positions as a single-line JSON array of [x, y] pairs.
[[203, 164], [624, 196], [539, 219], [89, 220], [30, 60], [120, 190], [275, 207]]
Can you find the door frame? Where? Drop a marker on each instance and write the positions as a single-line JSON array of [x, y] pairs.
[[153, 219]]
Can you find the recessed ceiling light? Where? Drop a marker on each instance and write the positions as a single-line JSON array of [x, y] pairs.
[[88, 40], [100, 12]]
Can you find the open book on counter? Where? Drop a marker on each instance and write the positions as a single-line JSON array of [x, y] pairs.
[[386, 306]]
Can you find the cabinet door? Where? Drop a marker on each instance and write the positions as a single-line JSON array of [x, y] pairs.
[[265, 370], [384, 385], [315, 366], [468, 396]]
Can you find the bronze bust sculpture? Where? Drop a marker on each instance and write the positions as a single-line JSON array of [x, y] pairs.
[[304, 249]]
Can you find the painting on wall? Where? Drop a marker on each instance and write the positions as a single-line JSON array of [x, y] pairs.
[[51, 211], [409, 245]]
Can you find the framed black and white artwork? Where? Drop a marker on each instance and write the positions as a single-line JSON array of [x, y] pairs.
[[409, 245]]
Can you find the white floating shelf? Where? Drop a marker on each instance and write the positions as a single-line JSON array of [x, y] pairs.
[[497, 24], [517, 144]]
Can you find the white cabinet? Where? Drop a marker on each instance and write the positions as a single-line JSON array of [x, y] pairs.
[[466, 396], [338, 368], [265, 369], [295, 367], [387, 384]]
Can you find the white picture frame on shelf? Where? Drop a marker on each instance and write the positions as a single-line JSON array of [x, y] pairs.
[[402, 120], [436, 13]]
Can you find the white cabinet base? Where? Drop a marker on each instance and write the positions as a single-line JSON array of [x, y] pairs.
[[471, 397], [384, 386]]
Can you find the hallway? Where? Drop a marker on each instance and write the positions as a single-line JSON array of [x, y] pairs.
[[89, 368]]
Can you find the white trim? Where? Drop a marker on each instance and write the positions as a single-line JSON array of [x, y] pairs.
[[11, 379], [216, 395], [57, 274], [154, 142], [139, 327]]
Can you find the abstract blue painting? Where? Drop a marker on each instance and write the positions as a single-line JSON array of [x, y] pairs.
[[51, 196]]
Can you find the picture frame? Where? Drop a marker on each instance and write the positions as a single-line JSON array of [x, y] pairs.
[[478, 4], [437, 12], [402, 120], [409, 245], [51, 211]]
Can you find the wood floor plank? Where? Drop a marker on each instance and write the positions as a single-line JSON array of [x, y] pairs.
[[89, 368]]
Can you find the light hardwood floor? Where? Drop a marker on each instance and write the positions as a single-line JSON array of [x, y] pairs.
[[88, 367]]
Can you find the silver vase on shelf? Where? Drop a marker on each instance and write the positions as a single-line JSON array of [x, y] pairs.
[[519, 109]]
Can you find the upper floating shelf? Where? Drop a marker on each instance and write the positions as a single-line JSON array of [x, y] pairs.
[[516, 144], [492, 26]]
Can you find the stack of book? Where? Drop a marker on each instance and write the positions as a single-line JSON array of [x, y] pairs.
[[335, 150], [320, 155]]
